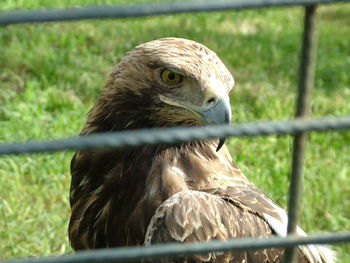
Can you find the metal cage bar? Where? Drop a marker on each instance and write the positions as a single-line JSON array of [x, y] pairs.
[[176, 135], [140, 10], [298, 127], [306, 82], [126, 254]]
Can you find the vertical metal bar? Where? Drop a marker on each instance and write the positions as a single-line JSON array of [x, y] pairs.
[[306, 82]]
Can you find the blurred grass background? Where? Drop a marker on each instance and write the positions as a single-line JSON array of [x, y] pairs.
[[51, 74]]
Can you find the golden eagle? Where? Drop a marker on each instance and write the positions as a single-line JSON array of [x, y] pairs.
[[188, 192]]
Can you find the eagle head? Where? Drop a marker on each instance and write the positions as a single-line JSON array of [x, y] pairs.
[[164, 82]]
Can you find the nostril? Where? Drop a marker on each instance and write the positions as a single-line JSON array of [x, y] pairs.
[[211, 100]]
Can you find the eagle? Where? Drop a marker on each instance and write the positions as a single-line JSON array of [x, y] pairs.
[[185, 192]]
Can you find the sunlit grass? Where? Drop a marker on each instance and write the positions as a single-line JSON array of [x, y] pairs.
[[50, 75]]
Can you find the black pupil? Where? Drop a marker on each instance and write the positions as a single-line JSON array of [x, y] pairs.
[[171, 76]]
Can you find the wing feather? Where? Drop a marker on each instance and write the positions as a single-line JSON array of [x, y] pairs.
[[176, 220]]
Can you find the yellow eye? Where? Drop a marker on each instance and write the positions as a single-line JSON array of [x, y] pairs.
[[170, 77]]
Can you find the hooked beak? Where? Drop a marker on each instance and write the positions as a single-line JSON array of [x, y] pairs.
[[216, 111], [219, 113]]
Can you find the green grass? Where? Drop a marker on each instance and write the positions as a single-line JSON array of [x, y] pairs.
[[50, 75]]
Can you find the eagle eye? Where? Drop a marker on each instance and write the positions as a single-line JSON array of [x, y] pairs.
[[170, 77]]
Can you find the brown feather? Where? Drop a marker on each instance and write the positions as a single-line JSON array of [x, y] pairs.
[[216, 220], [177, 193]]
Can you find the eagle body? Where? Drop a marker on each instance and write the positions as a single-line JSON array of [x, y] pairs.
[[188, 192]]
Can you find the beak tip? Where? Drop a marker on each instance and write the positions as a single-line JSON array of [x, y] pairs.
[[221, 143], [220, 113]]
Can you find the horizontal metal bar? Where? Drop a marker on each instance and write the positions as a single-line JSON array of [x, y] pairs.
[[93, 12], [176, 135], [170, 250]]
